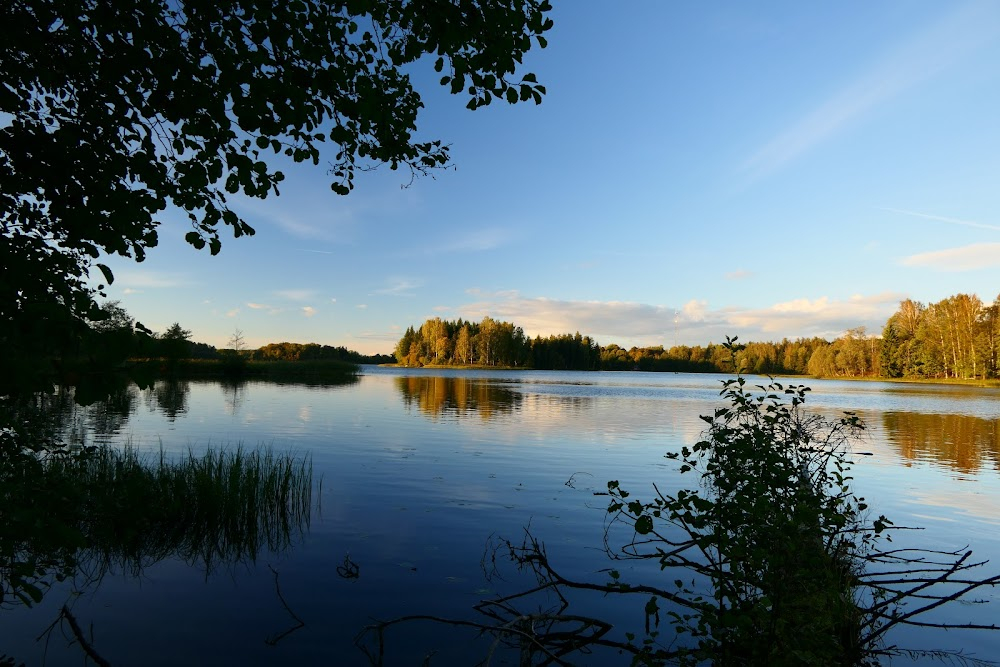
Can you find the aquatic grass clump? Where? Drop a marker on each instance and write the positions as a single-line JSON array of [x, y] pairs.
[[221, 507], [105, 509]]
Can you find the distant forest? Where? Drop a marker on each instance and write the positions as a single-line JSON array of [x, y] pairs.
[[957, 337], [116, 336]]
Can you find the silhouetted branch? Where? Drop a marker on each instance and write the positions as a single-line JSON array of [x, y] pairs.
[[78, 634], [299, 623]]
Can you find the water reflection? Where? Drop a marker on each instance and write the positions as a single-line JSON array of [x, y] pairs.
[[235, 393], [961, 442], [458, 396], [169, 397]]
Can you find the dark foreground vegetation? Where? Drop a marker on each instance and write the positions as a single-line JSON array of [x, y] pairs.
[[71, 515], [957, 337], [767, 557], [114, 343]]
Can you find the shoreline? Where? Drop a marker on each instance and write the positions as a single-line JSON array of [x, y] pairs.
[[962, 382]]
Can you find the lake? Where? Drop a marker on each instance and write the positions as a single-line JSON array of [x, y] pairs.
[[416, 469]]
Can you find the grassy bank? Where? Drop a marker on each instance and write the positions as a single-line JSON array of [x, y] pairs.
[[961, 382], [309, 372]]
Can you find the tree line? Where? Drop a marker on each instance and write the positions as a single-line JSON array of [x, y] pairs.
[[112, 337], [957, 337], [494, 343]]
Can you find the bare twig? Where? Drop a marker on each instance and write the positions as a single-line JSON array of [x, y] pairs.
[[299, 623]]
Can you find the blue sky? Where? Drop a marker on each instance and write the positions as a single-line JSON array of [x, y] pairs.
[[696, 170]]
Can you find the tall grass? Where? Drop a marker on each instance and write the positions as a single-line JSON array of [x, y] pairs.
[[110, 509], [222, 507]]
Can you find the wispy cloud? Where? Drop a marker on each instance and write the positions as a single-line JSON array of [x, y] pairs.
[[134, 279], [468, 241], [271, 310], [308, 311], [362, 306], [312, 218], [400, 287], [129, 290], [941, 218], [295, 294], [233, 313], [739, 274], [920, 58], [479, 240], [318, 252], [965, 258]]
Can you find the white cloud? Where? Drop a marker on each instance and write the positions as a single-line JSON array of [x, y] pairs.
[[695, 311], [271, 310], [233, 313], [630, 323], [965, 258], [308, 311], [129, 290], [361, 306], [816, 317], [739, 274]]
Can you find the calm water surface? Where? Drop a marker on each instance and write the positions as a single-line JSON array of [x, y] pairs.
[[416, 469]]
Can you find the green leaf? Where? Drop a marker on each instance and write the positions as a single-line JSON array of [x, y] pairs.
[[194, 238], [108, 276]]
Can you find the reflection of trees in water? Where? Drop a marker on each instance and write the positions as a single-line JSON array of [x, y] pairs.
[[109, 415], [436, 396], [962, 442], [235, 394], [169, 397]]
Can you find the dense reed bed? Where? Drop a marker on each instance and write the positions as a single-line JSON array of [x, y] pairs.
[[121, 510]]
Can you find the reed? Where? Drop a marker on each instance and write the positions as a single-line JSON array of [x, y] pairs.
[[124, 510]]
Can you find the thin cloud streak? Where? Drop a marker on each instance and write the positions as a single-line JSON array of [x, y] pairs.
[[941, 218], [148, 279], [400, 287], [476, 240], [295, 294], [922, 57]]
